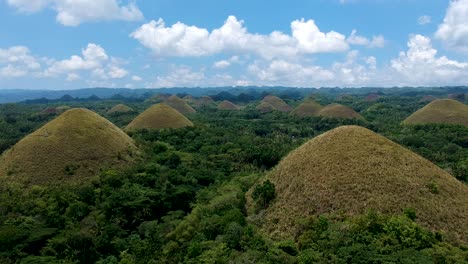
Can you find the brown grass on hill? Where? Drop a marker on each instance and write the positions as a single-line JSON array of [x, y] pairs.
[[227, 105], [62, 108], [441, 111], [158, 98], [265, 107], [340, 111], [308, 108], [277, 103], [159, 116], [204, 101], [71, 148], [372, 97], [351, 170], [179, 105], [120, 108]]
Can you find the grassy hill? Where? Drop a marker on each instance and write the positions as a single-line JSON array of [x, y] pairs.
[[277, 103], [227, 105], [265, 107], [350, 170], [441, 111], [338, 110], [179, 105], [120, 108], [306, 109], [159, 116], [77, 144]]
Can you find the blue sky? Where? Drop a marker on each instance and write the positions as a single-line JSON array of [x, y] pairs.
[[56, 44]]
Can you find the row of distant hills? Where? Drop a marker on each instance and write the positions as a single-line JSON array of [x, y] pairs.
[[221, 93]]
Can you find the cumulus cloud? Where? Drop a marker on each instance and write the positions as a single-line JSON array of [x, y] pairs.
[[454, 29], [423, 20], [180, 76], [191, 41], [376, 41], [420, 65], [282, 72], [136, 78], [226, 63], [93, 59], [17, 61], [75, 12]]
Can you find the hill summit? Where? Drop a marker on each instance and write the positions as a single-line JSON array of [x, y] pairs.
[[440, 111], [338, 110], [75, 145], [307, 109], [350, 170], [159, 116], [179, 104], [120, 108], [227, 105], [277, 103]]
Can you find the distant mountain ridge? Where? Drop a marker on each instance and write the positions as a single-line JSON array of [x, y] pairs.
[[12, 95]]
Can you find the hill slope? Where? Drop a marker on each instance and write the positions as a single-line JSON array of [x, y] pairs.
[[227, 105], [179, 105], [120, 108], [338, 110], [71, 147], [265, 107], [440, 111], [352, 169], [306, 109], [159, 116], [277, 103]]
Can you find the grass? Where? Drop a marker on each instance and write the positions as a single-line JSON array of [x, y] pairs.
[[159, 116], [179, 105], [265, 107], [76, 145], [277, 103], [227, 105], [338, 110], [120, 108], [443, 111], [351, 170], [307, 109]]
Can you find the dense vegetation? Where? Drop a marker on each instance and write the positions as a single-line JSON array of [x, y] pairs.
[[185, 200]]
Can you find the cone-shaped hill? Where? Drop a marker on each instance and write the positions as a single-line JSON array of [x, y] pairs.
[[265, 107], [441, 111], [159, 116], [306, 109], [340, 111], [157, 98], [277, 103], [75, 145], [120, 108], [227, 105], [351, 170], [179, 105]]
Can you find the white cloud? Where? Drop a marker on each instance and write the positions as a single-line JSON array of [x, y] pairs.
[[312, 40], [221, 64], [116, 72], [182, 76], [420, 65], [281, 72], [226, 63], [17, 61], [423, 20], [453, 32], [191, 41], [72, 77], [375, 42], [93, 59], [136, 78], [75, 12]]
